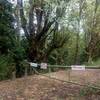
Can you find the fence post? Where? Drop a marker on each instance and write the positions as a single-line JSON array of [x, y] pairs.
[[26, 71], [49, 69], [68, 74], [13, 75]]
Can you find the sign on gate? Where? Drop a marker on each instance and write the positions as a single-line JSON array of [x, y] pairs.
[[34, 64], [43, 65], [78, 67]]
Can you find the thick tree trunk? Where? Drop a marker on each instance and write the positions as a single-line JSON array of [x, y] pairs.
[[37, 33]]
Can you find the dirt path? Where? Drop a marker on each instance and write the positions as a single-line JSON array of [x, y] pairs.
[[91, 76], [42, 88]]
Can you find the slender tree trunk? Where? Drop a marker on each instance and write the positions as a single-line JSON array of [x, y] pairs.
[[76, 60], [93, 36], [77, 49], [90, 58]]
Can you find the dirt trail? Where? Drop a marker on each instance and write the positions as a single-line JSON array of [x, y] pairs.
[[42, 88], [91, 76]]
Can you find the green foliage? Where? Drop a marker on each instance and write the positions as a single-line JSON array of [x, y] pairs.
[[11, 49], [95, 62], [6, 67], [6, 26], [59, 42], [86, 91], [18, 54], [58, 56]]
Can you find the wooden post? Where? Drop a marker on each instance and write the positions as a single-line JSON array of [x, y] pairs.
[[25, 71], [69, 75], [13, 75], [49, 70]]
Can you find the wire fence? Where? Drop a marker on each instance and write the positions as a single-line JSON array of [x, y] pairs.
[[67, 73], [68, 80]]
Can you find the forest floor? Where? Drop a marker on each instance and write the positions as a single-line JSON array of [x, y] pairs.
[[37, 87]]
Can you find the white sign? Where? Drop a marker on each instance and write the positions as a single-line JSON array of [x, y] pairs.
[[34, 64], [43, 65], [78, 67]]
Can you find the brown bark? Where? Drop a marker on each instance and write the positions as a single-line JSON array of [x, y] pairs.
[[36, 33]]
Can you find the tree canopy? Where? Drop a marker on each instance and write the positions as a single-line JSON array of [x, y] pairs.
[[61, 32]]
